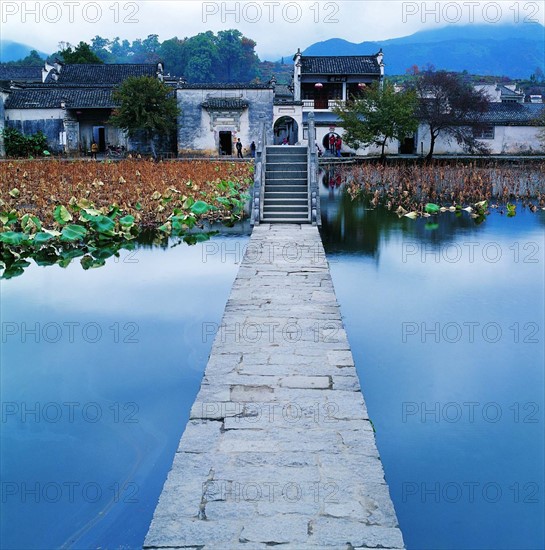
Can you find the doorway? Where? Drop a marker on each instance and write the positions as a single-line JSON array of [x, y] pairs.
[[407, 146], [99, 137], [226, 143], [286, 131]]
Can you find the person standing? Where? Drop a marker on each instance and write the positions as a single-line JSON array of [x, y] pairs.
[[338, 145], [239, 149], [332, 144], [252, 149], [94, 150]]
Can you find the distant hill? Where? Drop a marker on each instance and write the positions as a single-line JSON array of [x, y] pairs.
[[14, 51], [503, 50]]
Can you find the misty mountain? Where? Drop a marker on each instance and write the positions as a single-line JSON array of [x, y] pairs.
[[14, 51], [502, 50]]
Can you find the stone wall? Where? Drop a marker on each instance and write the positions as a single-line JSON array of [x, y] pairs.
[[30, 121], [508, 140], [199, 128]]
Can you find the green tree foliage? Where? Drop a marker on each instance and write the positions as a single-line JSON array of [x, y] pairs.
[[452, 107], [228, 56], [82, 53], [203, 58], [377, 115], [19, 145], [147, 106]]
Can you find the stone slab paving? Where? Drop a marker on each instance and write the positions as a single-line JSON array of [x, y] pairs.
[[279, 449]]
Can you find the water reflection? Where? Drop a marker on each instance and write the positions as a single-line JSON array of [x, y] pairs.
[[446, 328], [349, 225], [99, 371]]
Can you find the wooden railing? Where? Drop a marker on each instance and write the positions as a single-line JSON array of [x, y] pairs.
[[322, 104]]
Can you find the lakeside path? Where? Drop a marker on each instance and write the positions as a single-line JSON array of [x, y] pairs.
[[279, 449]]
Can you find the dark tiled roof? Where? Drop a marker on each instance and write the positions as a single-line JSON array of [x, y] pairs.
[[110, 74], [225, 103], [505, 91], [20, 73], [51, 98], [524, 114], [224, 86], [348, 64], [282, 90]]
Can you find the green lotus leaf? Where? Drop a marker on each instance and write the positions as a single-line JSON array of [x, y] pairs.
[[71, 233], [127, 221], [200, 207], [431, 208], [13, 237], [61, 215], [41, 238]]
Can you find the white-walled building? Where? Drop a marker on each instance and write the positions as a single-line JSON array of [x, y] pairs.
[[320, 83], [508, 129]]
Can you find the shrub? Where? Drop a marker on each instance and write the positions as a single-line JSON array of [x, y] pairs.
[[19, 145]]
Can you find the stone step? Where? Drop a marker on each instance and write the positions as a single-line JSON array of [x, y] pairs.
[[299, 167], [286, 150], [295, 212], [297, 184], [279, 201], [292, 174], [285, 194], [284, 220], [275, 157]]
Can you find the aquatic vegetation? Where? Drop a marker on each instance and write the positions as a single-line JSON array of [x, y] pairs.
[[415, 191], [49, 214]]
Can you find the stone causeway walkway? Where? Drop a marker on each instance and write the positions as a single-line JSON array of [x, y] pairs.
[[279, 449]]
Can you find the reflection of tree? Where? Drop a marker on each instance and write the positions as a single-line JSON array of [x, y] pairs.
[[348, 225]]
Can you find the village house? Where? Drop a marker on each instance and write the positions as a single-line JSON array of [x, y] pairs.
[[72, 104], [319, 84], [509, 126], [215, 116]]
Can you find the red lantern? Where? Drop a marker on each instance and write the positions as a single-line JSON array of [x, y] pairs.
[[361, 85], [318, 85]]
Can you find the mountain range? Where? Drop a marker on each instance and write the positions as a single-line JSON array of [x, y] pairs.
[[503, 50], [14, 51]]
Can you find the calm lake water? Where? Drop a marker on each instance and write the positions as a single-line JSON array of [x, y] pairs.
[[446, 327], [100, 368]]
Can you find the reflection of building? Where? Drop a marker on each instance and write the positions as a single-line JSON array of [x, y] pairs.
[[72, 104]]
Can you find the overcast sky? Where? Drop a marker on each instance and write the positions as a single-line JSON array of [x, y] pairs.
[[278, 26]]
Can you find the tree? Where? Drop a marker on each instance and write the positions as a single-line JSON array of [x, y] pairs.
[[80, 54], [33, 59], [146, 105], [203, 58], [238, 61], [449, 106], [377, 115]]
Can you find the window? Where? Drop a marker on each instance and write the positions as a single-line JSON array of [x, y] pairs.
[[484, 132]]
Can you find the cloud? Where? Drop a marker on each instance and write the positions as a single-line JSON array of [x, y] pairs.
[[278, 26]]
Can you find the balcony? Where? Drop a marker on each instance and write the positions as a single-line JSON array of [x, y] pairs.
[[319, 104]]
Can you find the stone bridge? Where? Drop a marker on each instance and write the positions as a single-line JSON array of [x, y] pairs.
[[279, 449]]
